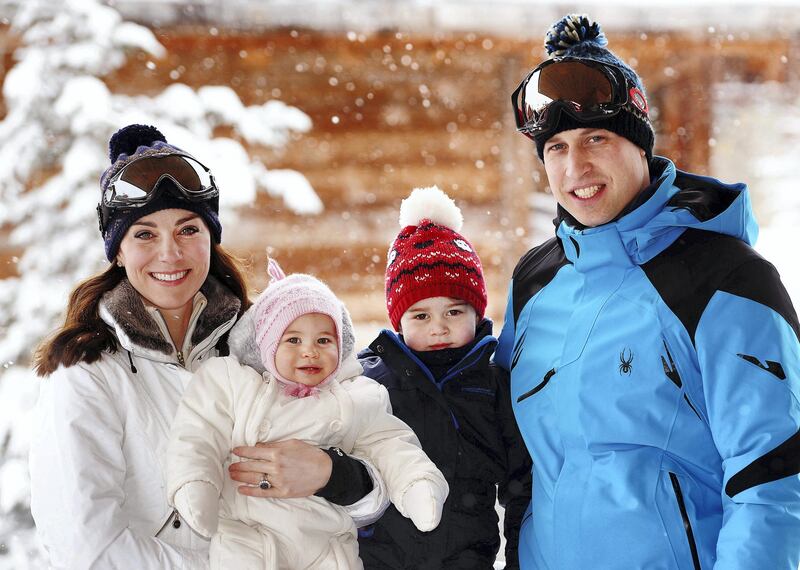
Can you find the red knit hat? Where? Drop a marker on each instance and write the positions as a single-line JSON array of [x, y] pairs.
[[429, 258]]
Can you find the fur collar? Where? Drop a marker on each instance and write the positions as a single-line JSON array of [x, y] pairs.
[[132, 318]]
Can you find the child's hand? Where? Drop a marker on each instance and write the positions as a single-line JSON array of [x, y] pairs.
[[422, 503], [198, 504]]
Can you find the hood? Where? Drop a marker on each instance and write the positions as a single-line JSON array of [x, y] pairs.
[[242, 340], [675, 201]]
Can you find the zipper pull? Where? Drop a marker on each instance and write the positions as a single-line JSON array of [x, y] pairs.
[[180, 359], [173, 518]]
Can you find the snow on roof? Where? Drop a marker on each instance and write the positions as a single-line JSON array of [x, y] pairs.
[[523, 18]]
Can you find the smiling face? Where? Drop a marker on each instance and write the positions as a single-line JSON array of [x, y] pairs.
[[594, 173], [308, 352], [437, 323], [166, 256]]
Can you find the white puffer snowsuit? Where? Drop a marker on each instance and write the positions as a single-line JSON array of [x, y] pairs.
[[229, 404]]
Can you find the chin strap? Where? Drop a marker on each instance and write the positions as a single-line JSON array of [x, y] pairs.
[[300, 390], [297, 390]]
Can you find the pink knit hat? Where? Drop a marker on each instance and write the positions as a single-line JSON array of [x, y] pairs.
[[284, 300]]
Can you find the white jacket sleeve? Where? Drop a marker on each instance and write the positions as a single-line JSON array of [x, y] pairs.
[[78, 470], [200, 439], [390, 445]]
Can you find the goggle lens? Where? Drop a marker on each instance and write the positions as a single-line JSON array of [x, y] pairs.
[[125, 191], [585, 87], [138, 179]]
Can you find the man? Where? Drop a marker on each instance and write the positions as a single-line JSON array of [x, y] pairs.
[[653, 353]]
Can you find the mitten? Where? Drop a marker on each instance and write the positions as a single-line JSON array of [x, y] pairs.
[[423, 503], [198, 504]]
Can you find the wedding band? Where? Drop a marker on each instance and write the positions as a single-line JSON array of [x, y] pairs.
[[264, 484]]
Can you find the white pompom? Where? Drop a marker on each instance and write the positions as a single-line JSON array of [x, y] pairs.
[[430, 204]]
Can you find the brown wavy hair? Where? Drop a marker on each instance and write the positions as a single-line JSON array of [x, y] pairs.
[[84, 335]]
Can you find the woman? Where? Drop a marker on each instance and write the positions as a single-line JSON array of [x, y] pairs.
[[116, 370]]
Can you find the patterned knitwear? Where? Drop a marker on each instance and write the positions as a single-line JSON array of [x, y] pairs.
[[578, 37], [429, 258], [283, 301]]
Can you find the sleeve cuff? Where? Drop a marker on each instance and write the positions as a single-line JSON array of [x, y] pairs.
[[349, 482]]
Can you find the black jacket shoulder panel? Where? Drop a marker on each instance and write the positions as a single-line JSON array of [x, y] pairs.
[[700, 263], [702, 197], [758, 280], [535, 270]]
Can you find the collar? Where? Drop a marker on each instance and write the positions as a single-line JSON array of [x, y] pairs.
[[674, 202], [141, 329], [439, 362], [482, 347]]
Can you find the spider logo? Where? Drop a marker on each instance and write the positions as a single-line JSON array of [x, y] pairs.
[[626, 361]]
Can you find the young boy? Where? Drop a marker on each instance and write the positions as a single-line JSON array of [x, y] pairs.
[[442, 384], [308, 386]]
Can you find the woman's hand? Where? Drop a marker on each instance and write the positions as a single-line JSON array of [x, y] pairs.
[[293, 468]]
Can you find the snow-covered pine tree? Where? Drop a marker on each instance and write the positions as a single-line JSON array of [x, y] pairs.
[[53, 144]]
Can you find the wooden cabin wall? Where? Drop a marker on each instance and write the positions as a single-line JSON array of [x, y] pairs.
[[392, 111]]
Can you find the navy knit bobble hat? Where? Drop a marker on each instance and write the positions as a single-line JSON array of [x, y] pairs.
[[576, 36], [136, 141]]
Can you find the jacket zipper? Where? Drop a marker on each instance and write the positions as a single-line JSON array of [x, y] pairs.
[[676, 487], [476, 352], [162, 325], [173, 518]]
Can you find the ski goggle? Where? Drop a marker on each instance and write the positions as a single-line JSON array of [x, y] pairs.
[[585, 89], [139, 183]]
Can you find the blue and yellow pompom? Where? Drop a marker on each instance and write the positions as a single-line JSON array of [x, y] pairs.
[[571, 30]]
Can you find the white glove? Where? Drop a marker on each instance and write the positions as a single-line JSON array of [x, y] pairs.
[[198, 504], [423, 503]]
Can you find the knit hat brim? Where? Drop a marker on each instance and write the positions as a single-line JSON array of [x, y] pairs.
[[624, 123], [449, 289]]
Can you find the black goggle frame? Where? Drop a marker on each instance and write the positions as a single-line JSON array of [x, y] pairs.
[[533, 121], [111, 202]]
